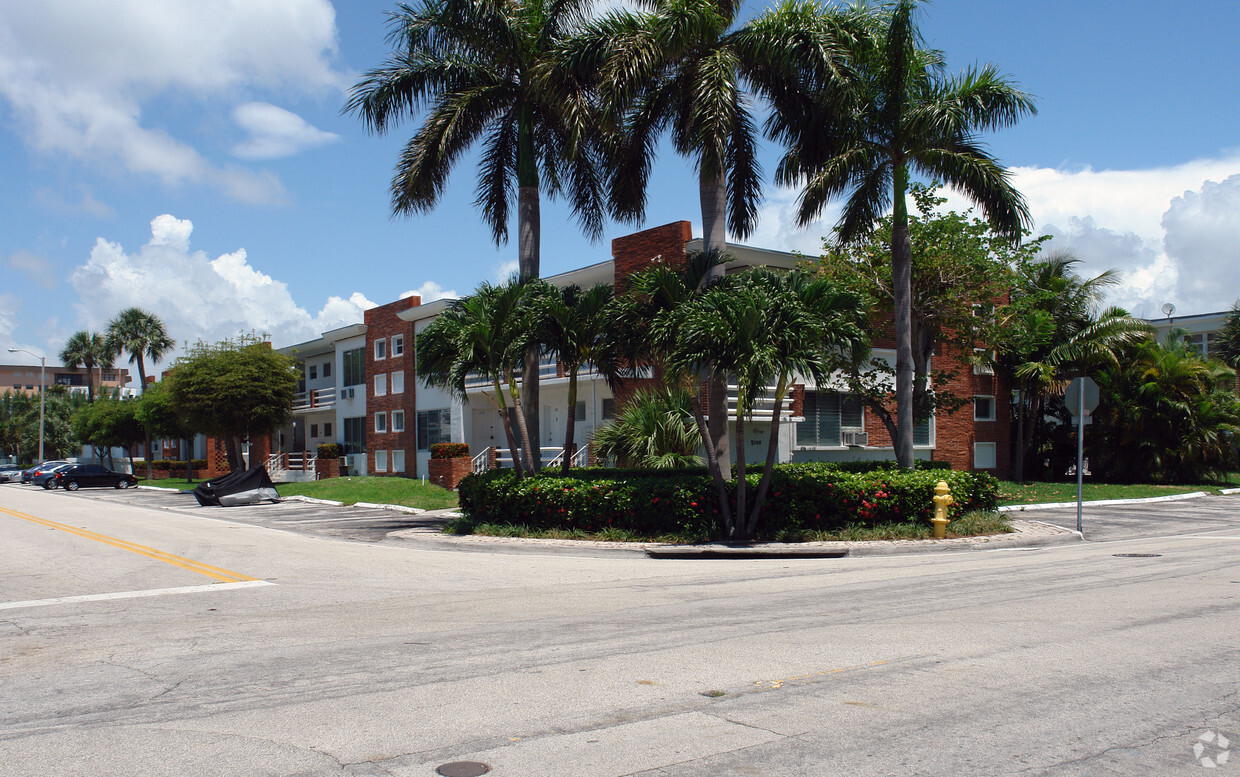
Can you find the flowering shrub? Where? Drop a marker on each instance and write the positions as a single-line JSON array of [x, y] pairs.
[[450, 450], [814, 496], [330, 450]]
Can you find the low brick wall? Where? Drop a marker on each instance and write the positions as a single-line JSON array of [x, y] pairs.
[[327, 468], [448, 473]]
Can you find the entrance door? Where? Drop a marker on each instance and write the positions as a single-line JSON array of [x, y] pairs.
[[487, 431]]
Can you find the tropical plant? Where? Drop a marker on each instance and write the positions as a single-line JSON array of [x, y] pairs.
[[483, 337], [654, 430], [1166, 415], [1228, 344], [109, 423], [768, 330], [1055, 329], [482, 72], [689, 67], [140, 334], [905, 116], [88, 349], [572, 323]]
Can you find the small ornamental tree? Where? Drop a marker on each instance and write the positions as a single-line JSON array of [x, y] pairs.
[[233, 389]]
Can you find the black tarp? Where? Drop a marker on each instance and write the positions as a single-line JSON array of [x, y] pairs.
[[239, 487]]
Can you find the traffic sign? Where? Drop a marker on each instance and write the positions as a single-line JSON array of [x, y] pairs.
[[1073, 396]]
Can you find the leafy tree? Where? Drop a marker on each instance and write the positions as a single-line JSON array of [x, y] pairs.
[[689, 67], [88, 349], [233, 389], [140, 334], [158, 412], [109, 423], [654, 430], [1166, 415], [1055, 329], [19, 424], [961, 268], [483, 73], [17, 411], [906, 116], [768, 330], [1228, 344], [573, 323], [484, 336]]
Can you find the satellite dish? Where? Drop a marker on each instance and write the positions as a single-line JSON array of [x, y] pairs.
[[1168, 309]]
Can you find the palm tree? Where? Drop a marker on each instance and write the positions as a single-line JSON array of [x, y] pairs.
[[769, 330], [481, 69], [140, 334], [482, 337], [683, 67], [654, 430], [573, 324], [907, 116], [88, 349], [1055, 329]]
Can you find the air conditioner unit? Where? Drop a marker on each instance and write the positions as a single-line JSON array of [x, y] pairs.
[[856, 439], [344, 393]]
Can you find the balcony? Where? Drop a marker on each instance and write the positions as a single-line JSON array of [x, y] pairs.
[[314, 401], [764, 408]]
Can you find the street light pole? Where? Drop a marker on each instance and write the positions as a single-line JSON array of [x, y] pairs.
[[42, 390]]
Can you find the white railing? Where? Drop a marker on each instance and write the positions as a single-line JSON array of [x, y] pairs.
[[300, 461], [503, 456], [274, 463], [481, 463], [318, 399]]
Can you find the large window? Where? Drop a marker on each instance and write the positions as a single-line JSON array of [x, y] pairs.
[[380, 385], [827, 414], [434, 426], [355, 435], [354, 368], [398, 382]]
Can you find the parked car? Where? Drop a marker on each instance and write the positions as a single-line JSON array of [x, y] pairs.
[[43, 476], [28, 475], [10, 472], [76, 476]]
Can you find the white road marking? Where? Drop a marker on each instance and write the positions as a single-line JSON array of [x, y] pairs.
[[188, 589]]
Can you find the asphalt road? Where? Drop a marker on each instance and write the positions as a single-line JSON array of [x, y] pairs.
[[143, 641]]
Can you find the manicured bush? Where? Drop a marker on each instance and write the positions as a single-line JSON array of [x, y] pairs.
[[176, 466], [803, 497], [161, 465], [450, 450], [330, 450], [198, 463]]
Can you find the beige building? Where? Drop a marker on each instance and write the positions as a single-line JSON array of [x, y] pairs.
[[24, 378]]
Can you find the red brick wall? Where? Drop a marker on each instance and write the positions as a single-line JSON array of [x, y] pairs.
[[665, 244], [381, 324]]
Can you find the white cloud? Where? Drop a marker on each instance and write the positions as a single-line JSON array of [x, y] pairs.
[[85, 202], [199, 297], [1172, 232], [275, 132], [431, 291], [78, 81], [505, 271], [37, 268]]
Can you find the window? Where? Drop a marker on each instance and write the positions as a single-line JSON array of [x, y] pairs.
[[398, 461], [609, 409], [579, 413], [398, 420], [380, 422], [380, 385], [314, 430], [381, 461], [380, 349], [434, 426], [398, 382], [107, 376], [985, 362], [314, 372], [546, 365], [923, 432], [984, 455], [354, 368], [398, 345], [327, 430], [355, 435], [828, 413], [983, 408], [327, 369]]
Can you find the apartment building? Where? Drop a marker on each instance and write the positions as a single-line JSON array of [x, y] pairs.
[[24, 378], [1201, 331], [361, 390]]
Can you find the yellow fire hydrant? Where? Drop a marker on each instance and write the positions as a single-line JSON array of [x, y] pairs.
[[942, 500]]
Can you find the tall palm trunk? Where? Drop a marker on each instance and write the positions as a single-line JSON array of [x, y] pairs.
[[742, 526], [571, 432], [713, 194], [772, 450], [146, 450], [721, 485], [902, 281], [529, 233]]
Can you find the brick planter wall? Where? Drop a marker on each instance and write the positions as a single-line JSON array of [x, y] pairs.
[[448, 473], [326, 468]]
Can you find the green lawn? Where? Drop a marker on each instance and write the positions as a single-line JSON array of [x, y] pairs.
[[389, 491], [1013, 493]]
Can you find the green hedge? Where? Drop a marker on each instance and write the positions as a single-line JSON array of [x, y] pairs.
[[450, 450], [805, 496], [330, 450], [170, 465]]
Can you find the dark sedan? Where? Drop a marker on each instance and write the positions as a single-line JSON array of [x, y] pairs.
[[29, 474], [88, 475]]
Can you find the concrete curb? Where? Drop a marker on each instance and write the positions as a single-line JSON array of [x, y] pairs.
[[397, 508], [311, 500], [1104, 502]]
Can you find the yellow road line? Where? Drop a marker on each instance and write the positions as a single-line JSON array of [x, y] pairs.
[[216, 573]]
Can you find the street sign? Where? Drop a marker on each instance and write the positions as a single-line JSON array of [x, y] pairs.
[[1073, 399]]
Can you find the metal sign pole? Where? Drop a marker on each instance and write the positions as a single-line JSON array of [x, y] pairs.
[[1080, 453]]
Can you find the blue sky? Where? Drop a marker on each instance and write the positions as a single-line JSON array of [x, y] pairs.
[[190, 158]]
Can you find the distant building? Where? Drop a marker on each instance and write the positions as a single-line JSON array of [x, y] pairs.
[[1201, 330], [24, 379]]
